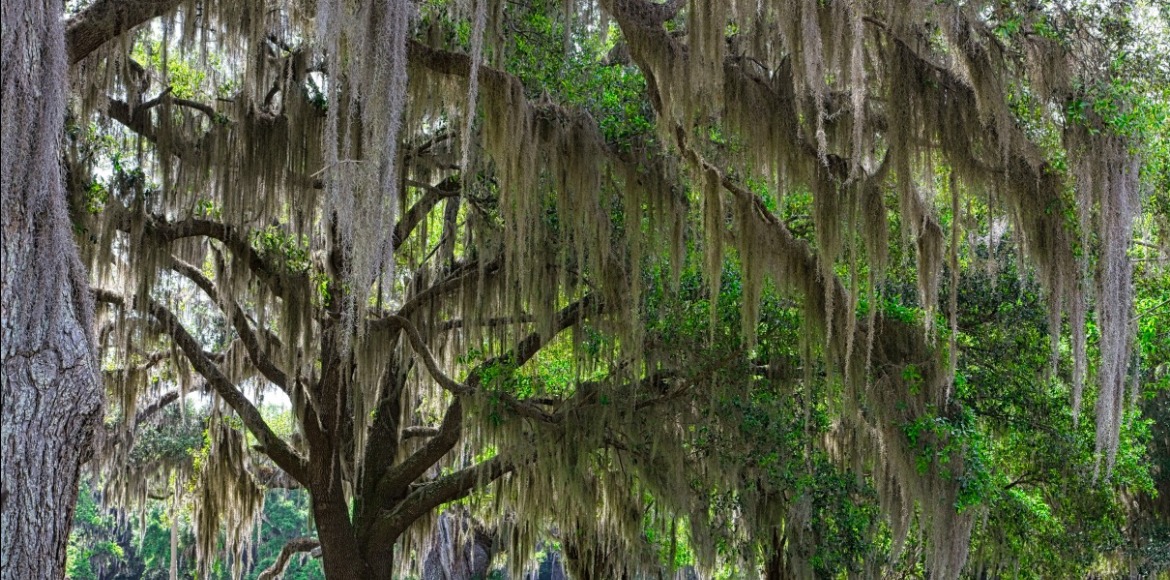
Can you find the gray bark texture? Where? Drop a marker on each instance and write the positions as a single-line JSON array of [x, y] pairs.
[[50, 398], [460, 549]]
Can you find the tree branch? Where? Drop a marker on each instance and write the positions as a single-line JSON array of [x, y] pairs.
[[239, 320], [293, 546], [434, 194], [456, 279], [433, 494], [271, 444], [279, 281], [148, 411], [399, 477], [420, 431], [152, 359], [201, 107], [457, 323], [418, 343], [105, 20]]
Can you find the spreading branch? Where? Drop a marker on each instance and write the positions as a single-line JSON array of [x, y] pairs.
[[399, 477], [402, 475], [105, 20], [432, 494], [240, 323], [293, 546], [270, 443]]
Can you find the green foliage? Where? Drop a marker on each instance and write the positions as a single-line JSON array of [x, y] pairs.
[[288, 251], [286, 516], [104, 544], [612, 93], [174, 439], [1045, 513]]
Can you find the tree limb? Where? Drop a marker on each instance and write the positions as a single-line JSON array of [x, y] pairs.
[[457, 278], [447, 188], [279, 281], [418, 343], [148, 411], [272, 445], [420, 431], [433, 494], [293, 546], [396, 480], [239, 320], [105, 20], [400, 476]]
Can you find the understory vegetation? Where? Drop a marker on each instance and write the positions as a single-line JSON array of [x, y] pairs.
[[623, 289]]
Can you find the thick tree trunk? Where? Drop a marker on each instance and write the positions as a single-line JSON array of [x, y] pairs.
[[51, 398], [340, 555]]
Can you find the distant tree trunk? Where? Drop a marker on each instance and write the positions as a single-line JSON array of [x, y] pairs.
[[775, 568], [50, 397], [460, 549]]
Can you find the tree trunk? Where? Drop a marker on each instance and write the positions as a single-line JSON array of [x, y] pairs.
[[775, 568], [50, 398], [340, 555]]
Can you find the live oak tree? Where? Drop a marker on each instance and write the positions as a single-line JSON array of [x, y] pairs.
[[381, 216]]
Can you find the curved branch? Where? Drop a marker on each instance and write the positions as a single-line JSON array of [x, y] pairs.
[[531, 344], [149, 411], [136, 119], [293, 546], [239, 321], [279, 281], [456, 279], [434, 194], [433, 494], [271, 444], [196, 105], [419, 344], [105, 20], [168, 97]]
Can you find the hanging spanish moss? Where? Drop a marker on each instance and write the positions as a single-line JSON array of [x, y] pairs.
[[228, 500], [366, 52], [1107, 173], [479, 22], [301, 213]]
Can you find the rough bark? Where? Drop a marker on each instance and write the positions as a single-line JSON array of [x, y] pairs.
[[460, 549], [51, 398], [104, 20]]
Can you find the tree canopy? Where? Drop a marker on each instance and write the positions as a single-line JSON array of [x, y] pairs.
[[794, 287]]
